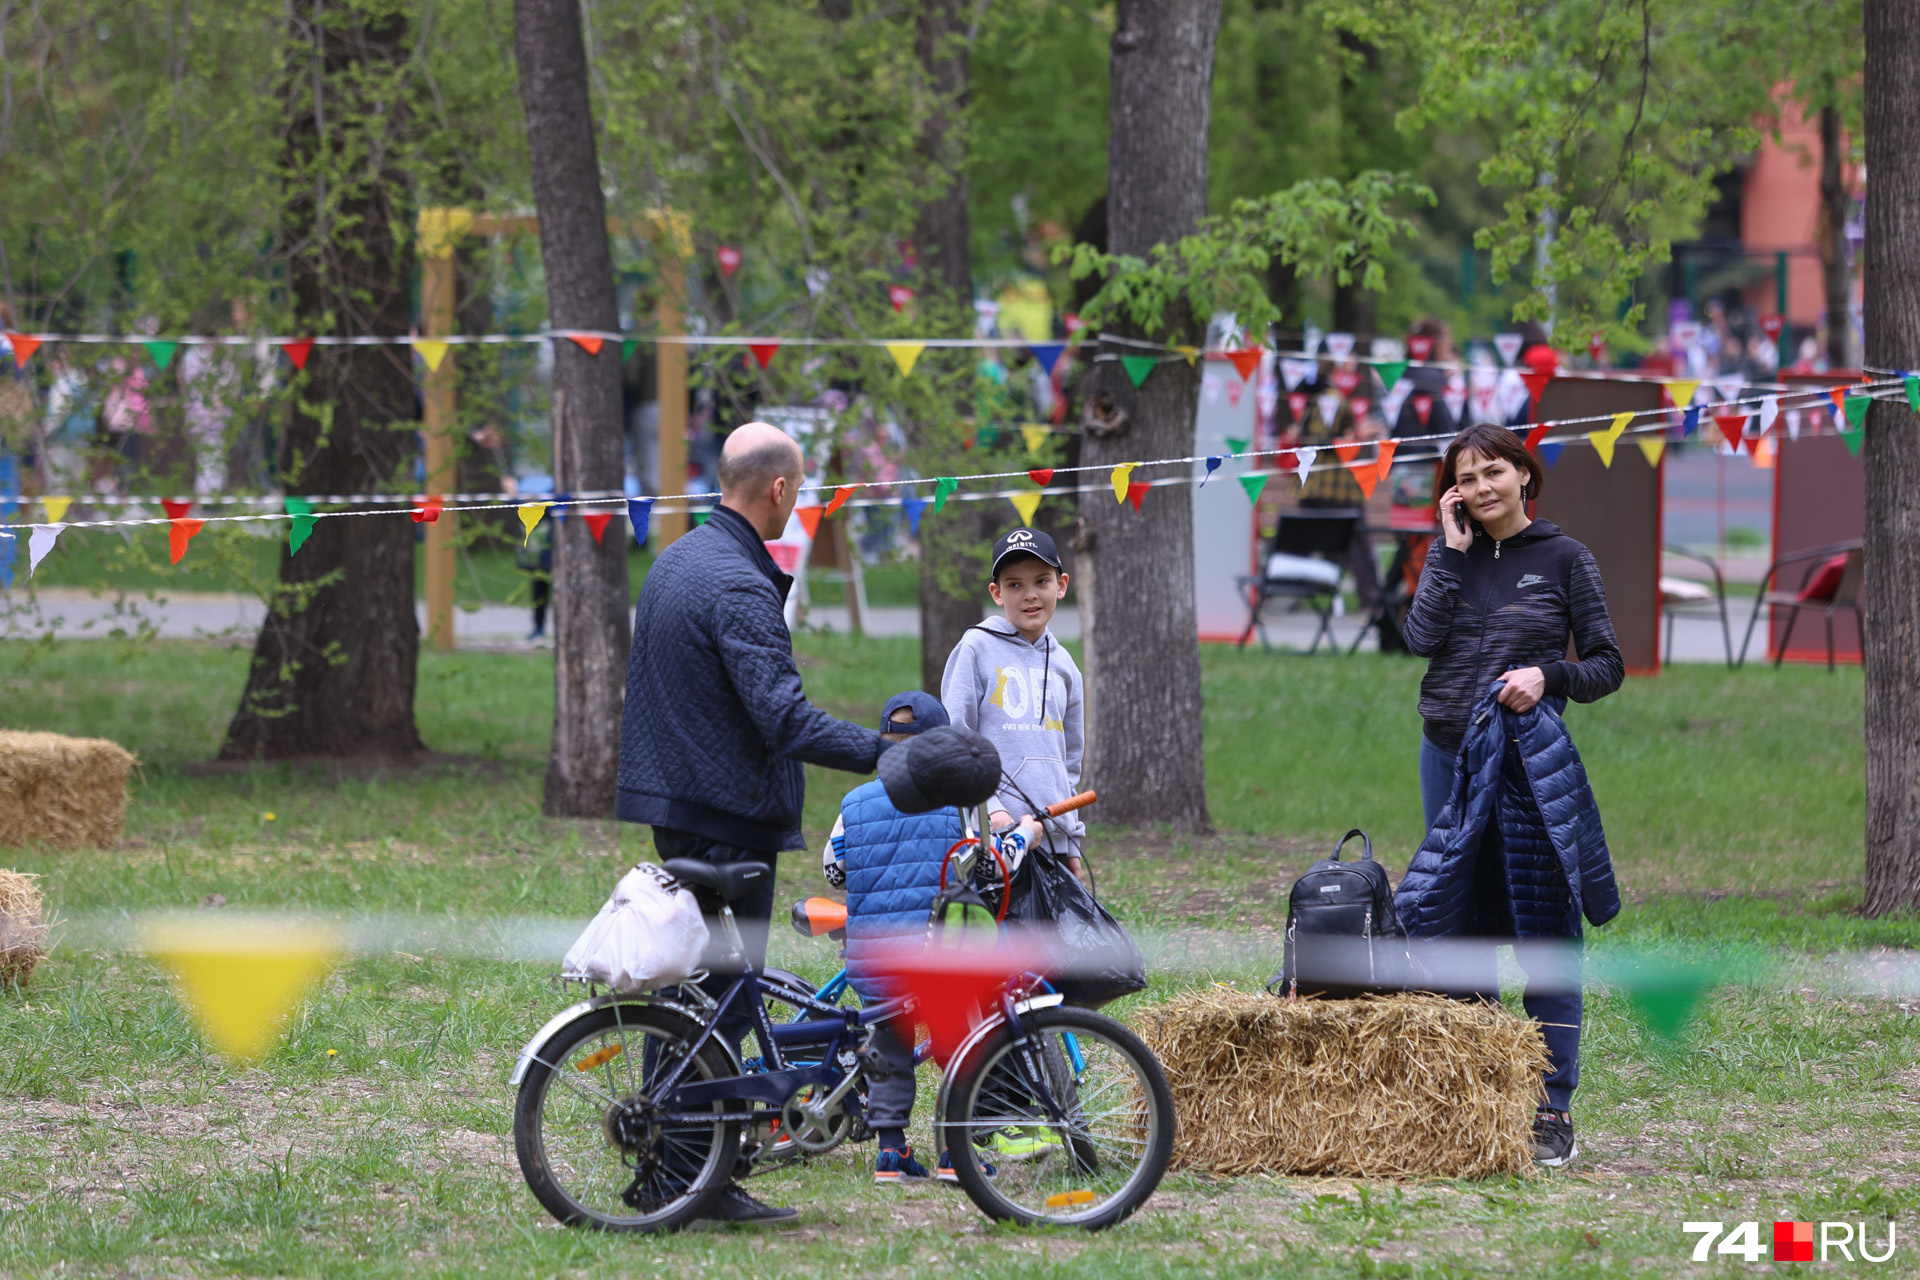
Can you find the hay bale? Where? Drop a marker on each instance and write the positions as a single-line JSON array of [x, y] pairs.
[[23, 927], [1386, 1086], [60, 791]]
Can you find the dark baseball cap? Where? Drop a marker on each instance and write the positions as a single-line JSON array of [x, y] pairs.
[[928, 713], [945, 767], [1024, 541]]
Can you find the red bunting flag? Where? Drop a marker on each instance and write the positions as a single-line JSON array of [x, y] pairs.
[[1771, 324], [176, 507], [1137, 492], [1596, 347], [1420, 346], [763, 352], [597, 525], [1731, 425], [298, 350], [1536, 381], [1423, 407], [23, 346], [899, 295], [1244, 362], [840, 497], [426, 512], [1345, 381], [1286, 459], [1297, 404], [810, 519], [729, 260], [179, 533], [1360, 405], [1042, 476], [588, 342], [1535, 433]]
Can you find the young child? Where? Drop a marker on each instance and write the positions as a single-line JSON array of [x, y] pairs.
[[889, 864], [1012, 681]]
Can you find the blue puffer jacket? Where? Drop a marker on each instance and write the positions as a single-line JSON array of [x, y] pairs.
[[893, 872], [1519, 851]]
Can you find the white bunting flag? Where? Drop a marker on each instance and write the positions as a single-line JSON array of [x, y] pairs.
[[1769, 411], [1329, 407], [39, 542], [1303, 462], [1312, 342], [1339, 345], [1793, 424], [1508, 345], [1294, 372]]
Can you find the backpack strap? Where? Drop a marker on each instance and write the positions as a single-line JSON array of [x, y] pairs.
[[1366, 845]]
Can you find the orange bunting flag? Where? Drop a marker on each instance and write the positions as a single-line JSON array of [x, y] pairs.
[[588, 342], [1137, 492], [1026, 504], [763, 352], [1346, 450], [597, 525], [1244, 362], [180, 532], [1385, 463], [23, 346], [810, 519], [840, 497], [1367, 473]]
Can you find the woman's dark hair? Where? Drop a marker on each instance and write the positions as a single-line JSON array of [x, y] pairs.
[[1491, 441]]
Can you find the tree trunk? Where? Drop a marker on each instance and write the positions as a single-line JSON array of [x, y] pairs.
[[1835, 273], [1137, 607], [334, 665], [591, 629], [948, 604], [1892, 608]]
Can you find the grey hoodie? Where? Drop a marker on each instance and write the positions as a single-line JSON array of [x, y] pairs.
[[989, 687]]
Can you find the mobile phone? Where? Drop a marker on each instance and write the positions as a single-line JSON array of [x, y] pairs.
[[1460, 515]]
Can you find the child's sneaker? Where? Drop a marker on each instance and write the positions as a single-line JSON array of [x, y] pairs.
[[894, 1167], [1030, 1142], [945, 1172], [1553, 1144]]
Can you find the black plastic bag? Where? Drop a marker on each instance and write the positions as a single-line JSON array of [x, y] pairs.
[[1093, 960]]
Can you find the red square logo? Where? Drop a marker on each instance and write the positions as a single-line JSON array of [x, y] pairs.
[[1793, 1242]]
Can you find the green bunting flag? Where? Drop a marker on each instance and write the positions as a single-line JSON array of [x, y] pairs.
[[1912, 383], [942, 489], [1856, 407], [1253, 484], [1237, 444], [1391, 372], [161, 351], [1138, 367], [301, 525], [1853, 437], [627, 347]]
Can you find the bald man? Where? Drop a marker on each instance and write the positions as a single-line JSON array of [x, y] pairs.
[[716, 726]]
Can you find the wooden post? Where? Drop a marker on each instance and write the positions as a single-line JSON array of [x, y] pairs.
[[671, 380], [436, 307]]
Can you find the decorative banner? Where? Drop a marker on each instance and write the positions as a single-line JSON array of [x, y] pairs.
[[914, 505], [1359, 405], [1731, 424], [839, 499], [1295, 372], [1042, 476], [1793, 424], [1508, 345], [1213, 465], [1689, 421], [899, 295], [729, 260], [39, 542], [627, 347], [906, 355], [1771, 324], [176, 507], [240, 980], [1652, 447], [1769, 412], [1536, 436], [1420, 345], [1596, 346], [1047, 353], [1244, 362], [589, 343], [1237, 444], [1856, 410], [1329, 406], [23, 347], [530, 513], [1137, 493], [301, 526], [943, 489], [179, 533], [1603, 441], [701, 516], [763, 352], [1035, 434], [427, 512], [1391, 371], [1345, 381], [1681, 390], [1305, 458], [1254, 483], [1121, 474], [1839, 397], [1138, 367], [56, 508], [1385, 463], [1536, 381], [810, 518], [1912, 384], [1367, 473], [597, 525], [1346, 451], [1310, 340], [1730, 386], [1026, 504], [161, 350], [1339, 345], [1550, 450], [1852, 438], [298, 350], [431, 351], [1297, 405], [1191, 353], [1422, 407]]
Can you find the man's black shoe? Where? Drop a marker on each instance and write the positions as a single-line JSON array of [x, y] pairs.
[[1553, 1144], [735, 1205]]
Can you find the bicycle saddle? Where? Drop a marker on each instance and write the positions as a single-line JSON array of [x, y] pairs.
[[725, 880]]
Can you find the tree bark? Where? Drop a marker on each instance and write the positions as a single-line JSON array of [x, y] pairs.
[[1836, 276], [948, 605], [1892, 454], [1137, 604], [335, 662], [592, 633]]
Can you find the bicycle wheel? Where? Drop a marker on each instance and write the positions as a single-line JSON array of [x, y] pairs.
[[1089, 1168], [588, 1147]]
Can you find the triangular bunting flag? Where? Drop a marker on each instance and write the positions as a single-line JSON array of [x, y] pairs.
[[627, 347], [1508, 345], [1138, 367], [298, 350], [1237, 444], [1839, 397], [942, 489], [1680, 391], [1422, 407], [588, 342], [1603, 445], [432, 351], [39, 542], [1391, 371], [701, 516], [1035, 434], [1385, 462], [1536, 433], [161, 350], [1793, 424], [1294, 372], [1285, 459], [1121, 474], [1856, 410], [1420, 345], [1345, 381], [1359, 405], [763, 352], [839, 499], [1026, 504], [639, 515], [729, 260], [1042, 476], [1346, 450], [597, 523], [809, 517], [989, 436], [1254, 483], [1769, 412], [1912, 384], [1213, 465], [23, 346], [906, 355], [1329, 406], [241, 980], [1536, 380], [56, 508], [530, 514], [1731, 425], [1689, 421], [179, 533], [1244, 362], [1310, 340], [914, 505], [1852, 438], [1305, 457], [1339, 345], [176, 507], [898, 295], [1367, 474], [1047, 353], [1137, 492], [427, 512], [1550, 450], [1191, 353], [1652, 447], [300, 527]]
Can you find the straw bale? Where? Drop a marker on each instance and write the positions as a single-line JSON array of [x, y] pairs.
[[61, 792], [1383, 1086], [23, 927]]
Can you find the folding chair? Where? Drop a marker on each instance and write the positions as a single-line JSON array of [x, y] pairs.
[[1695, 599], [1831, 582], [1300, 565]]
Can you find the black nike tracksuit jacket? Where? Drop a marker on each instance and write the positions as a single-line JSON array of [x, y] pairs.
[[1482, 612]]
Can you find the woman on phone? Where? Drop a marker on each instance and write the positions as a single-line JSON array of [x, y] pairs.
[[1499, 602]]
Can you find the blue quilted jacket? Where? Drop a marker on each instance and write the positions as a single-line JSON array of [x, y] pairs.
[[715, 725], [1518, 851], [893, 873]]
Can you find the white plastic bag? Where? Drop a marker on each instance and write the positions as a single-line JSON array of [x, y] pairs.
[[649, 935]]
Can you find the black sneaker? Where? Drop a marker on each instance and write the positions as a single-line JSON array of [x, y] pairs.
[[1553, 1144], [735, 1205]]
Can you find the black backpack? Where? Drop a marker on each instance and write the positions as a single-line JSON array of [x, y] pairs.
[[1343, 937]]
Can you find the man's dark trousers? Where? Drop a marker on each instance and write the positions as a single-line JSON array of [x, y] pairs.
[[753, 913]]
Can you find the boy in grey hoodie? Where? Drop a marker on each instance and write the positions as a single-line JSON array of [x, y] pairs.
[[1010, 679]]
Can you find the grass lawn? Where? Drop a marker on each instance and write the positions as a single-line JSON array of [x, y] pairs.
[[1734, 804]]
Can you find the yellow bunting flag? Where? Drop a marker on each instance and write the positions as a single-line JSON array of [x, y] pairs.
[[56, 508], [432, 351], [240, 979], [1682, 389], [1035, 434], [1653, 448], [1191, 353], [530, 513], [906, 354], [1120, 475], [1603, 441], [1026, 504]]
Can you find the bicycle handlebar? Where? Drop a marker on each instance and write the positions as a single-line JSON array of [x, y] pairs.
[[1071, 803]]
